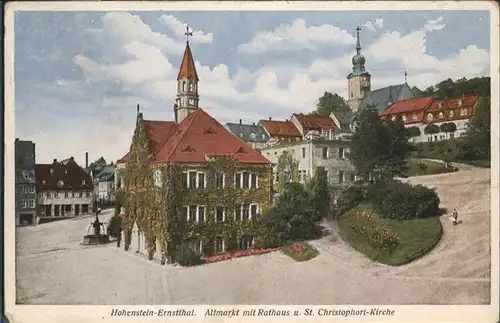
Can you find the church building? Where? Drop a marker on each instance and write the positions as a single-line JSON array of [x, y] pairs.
[[190, 181]]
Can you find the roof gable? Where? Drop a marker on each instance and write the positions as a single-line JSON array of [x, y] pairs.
[[384, 97], [191, 132], [411, 105], [280, 128], [315, 122], [59, 176]]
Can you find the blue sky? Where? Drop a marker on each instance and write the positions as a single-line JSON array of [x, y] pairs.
[[79, 75]]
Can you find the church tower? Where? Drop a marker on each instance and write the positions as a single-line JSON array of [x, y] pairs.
[[358, 81], [187, 97]]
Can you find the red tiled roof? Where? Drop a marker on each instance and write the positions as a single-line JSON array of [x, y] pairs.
[[73, 177], [200, 135], [197, 136], [411, 105], [453, 103], [315, 122], [280, 128], [188, 68]]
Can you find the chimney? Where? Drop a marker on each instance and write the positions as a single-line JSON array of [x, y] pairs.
[[269, 118], [86, 160], [55, 161], [240, 121]]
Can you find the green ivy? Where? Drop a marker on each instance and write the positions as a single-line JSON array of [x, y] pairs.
[[285, 161]]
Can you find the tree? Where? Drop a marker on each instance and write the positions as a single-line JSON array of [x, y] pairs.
[[366, 145], [450, 88], [448, 127], [395, 149], [329, 103], [320, 193], [414, 132], [431, 129], [477, 140]]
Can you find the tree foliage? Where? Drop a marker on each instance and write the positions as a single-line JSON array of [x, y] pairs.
[[450, 88], [320, 192], [431, 129], [476, 143], [329, 103], [414, 132], [379, 146], [448, 127]]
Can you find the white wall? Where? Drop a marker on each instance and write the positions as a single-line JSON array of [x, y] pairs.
[[461, 130]]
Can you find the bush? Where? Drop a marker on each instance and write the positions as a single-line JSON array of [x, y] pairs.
[[187, 257], [401, 201], [114, 226], [422, 165], [350, 198]]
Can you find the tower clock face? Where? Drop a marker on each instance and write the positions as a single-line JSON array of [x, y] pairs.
[[191, 102]]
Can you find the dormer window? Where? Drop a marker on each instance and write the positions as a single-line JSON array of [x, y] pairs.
[[441, 115], [404, 117], [440, 105], [157, 178], [51, 171], [44, 182], [84, 183], [60, 183], [252, 135], [393, 118], [452, 114], [240, 134], [463, 112], [459, 102], [263, 136], [414, 116], [430, 117]]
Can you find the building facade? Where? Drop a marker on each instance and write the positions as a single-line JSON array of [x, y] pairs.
[[429, 115], [104, 185], [25, 183], [190, 181], [253, 134], [64, 189]]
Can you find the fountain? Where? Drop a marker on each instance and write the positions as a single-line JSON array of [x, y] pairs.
[[94, 230]]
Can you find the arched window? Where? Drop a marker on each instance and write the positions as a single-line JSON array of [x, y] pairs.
[[183, 86], [414, 116], [452, 114], [441, 115], [404, 117], [430, 117], [463, 112]]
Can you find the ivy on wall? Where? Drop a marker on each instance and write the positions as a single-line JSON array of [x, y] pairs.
[[287, 167], [158, 211]]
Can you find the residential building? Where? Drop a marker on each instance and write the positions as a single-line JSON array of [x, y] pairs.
[[25, 183], [64, 189], [421, 112], [280, 132], [253, 134], [190, 181], [316, 141], [104, 185]]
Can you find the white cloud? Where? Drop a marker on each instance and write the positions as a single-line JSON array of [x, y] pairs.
[[148, 77], [294, 36], [434, 24], [373, 26]]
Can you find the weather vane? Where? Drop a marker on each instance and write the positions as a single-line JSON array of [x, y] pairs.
[[188, 33]]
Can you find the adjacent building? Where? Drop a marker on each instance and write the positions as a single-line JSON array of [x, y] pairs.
[[422, 112], [64, 189], [253, 134], [25, 183], [104, 185], [190, 181]]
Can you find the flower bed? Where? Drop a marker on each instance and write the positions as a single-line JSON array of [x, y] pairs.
[[300, 251], [238, 254], [377, 236]]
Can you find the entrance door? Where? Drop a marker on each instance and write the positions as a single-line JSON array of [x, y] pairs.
[[85, 208], [77, 209], [48, 210], [56, 210]]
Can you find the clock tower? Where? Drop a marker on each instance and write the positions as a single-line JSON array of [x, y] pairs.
[[359, 80]]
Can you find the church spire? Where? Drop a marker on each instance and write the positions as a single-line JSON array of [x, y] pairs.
[[188, 69], [358, 45]]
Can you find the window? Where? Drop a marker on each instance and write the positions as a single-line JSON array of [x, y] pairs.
[[185, 212], [341, 153], [459, 102], [414, 116], [79, 194], [89, 194], [237, 180], [263, 136], [157, 178], [31, 204], [237, 212], [219, 244], [192, 179], [73, 194], [191, 86], [353, 176], [302, 175], [48, 194], [32, 188], [430, 116], [403, 118], [24, 204], [253, 180], [253, 211], [201, 214], [61, 183], [451, 113], [183, 86], [441, 115], [190, 101], [452, 135], [463, 112], [66, 194], [341, 176], [84, 183], [303, 153], [184, 180], [393, 118], [246, 180], [252, 135], [246, 212], [325, 152], [246, 242], [192, 213], [220, 214], [219, 180], [201, 180]]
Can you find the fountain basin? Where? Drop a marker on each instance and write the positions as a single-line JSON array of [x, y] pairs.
[[91, 239]]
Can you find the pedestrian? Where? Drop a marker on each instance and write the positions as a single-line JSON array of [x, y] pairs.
[[455, 217], [119, 237]]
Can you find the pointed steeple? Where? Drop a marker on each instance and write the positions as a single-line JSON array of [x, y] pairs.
[[358, 44], [188, 69]]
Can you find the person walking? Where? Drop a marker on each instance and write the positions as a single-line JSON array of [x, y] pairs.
[[455, 217]]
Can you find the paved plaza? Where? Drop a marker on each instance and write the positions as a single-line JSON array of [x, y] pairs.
[[54, 268]]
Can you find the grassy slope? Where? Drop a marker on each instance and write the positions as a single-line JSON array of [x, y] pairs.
[[431, 168], [417, 238]]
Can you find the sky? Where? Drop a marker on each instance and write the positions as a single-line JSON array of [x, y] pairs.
[[80, 75]]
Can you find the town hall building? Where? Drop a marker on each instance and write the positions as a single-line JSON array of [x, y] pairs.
[[190, 181]]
